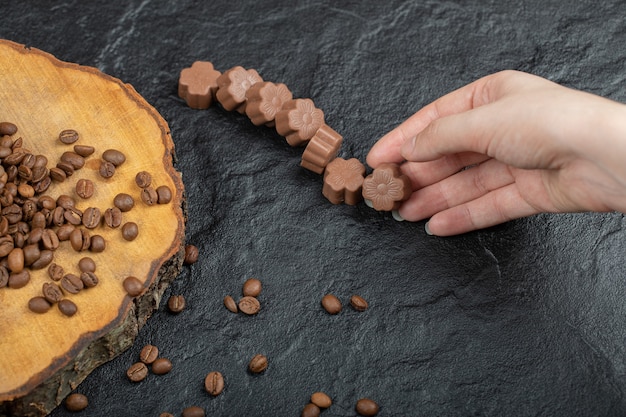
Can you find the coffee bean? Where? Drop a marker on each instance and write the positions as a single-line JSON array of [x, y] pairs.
[[49, 239], [66, 167], [17, 143], [14, 158], [57, 174], [80, 240], [114, 156], [51, 292], [4, 277], [55, 272], [310, 410], [39, 221], [38, 305], [191, 254], [15, 259], [214, 383], [193, 412], [106, 170], [84, 188], [89, 279], [72, 283], [72, 215], [31, 253], [249, 305], [252, 287], [164, 194], [130, 230], [230, 304], [331, 304], [7, 128], [58, 217], [366, 407], [24, 172], [161, 366], [6, 245], [25, 190], [113, 217], [149, 196], [358, 303], [166, 415], [76, 402], [258, 364], [137, 372], [39, 174], [67, 307], [45, 257], [176, 303], [124, 202], [91, 217], [143, 179], [68, 136], [19, 279], [148, 354], [321, 399], [13, 213], [84, 150], [65, 230], [98, 244], [87, 264], [133, 286], [74, 159]]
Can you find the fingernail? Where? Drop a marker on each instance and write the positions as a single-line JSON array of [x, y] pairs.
[[427, 229], [396, 215]]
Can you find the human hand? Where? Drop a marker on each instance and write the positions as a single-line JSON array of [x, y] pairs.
[[506, 146]]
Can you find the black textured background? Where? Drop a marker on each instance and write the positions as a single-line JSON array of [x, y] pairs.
[[524, 319]]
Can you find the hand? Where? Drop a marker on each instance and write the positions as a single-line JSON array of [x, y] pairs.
[[506, 146]]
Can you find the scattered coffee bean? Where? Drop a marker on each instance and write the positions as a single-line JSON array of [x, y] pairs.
[[161, 366], [89, 279], [149, 196], [193, 412], [166, 415], [57, 174], [76, 402], [72, 283], [85, 264], [51, 292], [84, 150], [252, 287], [176, 303], [7, 128], [65, 201], [124, 202], [143, 179], [133, 286], [149, 354], [358, 303], [366, 407], [39, 305], [84, 188], [130, 230], [31, 253], [19, 279], [15, 259], [92, 217], [67, 307], [164, 194], [230, 304], [106, 170], [74, 159], [114, 156], [321, 399], [46, 256], [137, 372], [331, 304], [65, 230], [55, 272], [310, 410], [68, 136], [258, 364], [80, 239], [49, 239], [113, 217], [73, 216], [98, 244], [249, 305], [214, 383], [191, 254]]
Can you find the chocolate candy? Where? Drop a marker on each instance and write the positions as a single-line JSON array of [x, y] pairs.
[[321, 149], [233, 85], [298, 120], [386, 187], [264, 101], [343, 181], [197, 84]]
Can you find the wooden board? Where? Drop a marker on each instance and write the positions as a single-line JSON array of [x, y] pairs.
[[44, 356]]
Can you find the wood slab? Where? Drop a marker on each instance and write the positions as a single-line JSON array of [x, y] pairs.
[[44, 356]]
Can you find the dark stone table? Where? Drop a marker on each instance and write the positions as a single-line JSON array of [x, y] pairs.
[[523, 319]]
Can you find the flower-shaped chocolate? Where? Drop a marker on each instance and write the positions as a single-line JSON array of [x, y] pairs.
[[298, 121], [386, 187], [232, 87], [321, 149], [343, 181], [265, 99], [197, 84]]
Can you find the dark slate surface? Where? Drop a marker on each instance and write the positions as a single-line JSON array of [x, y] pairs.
[[523, 319]]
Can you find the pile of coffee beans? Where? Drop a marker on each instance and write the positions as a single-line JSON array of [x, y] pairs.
[[249, 304], [33, 225]]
